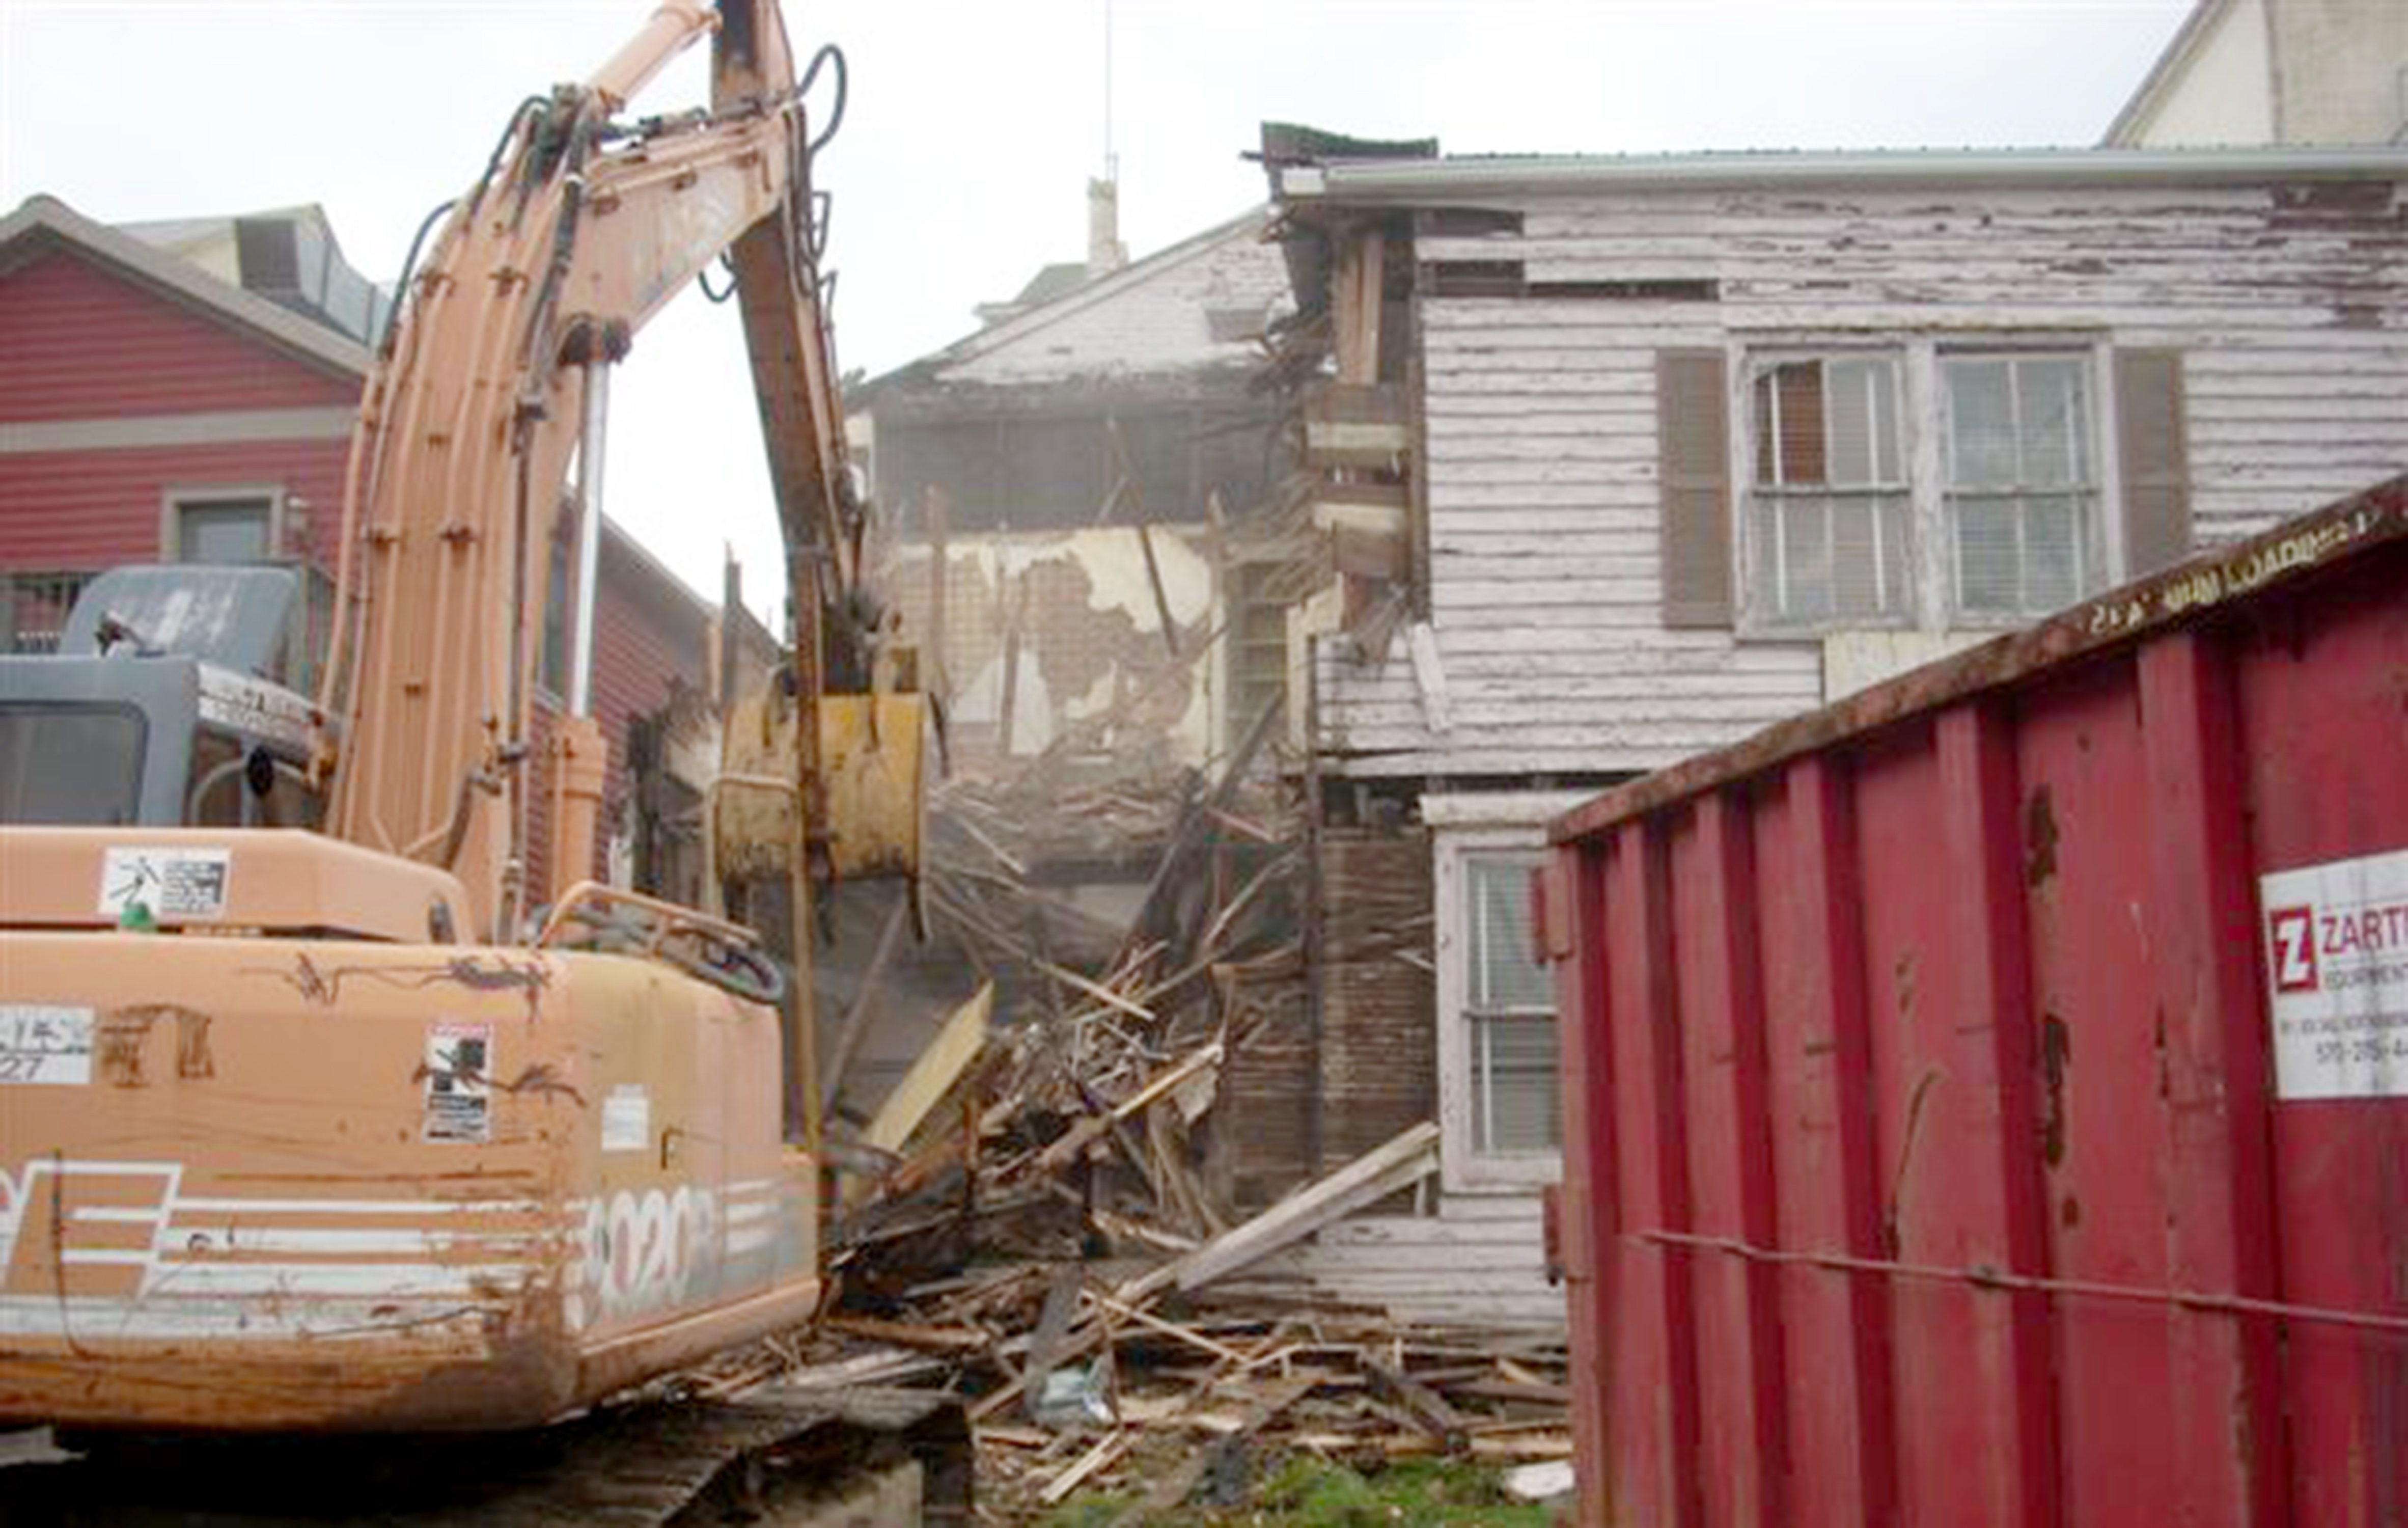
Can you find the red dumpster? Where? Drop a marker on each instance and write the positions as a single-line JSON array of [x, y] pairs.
[[1988, 1096]]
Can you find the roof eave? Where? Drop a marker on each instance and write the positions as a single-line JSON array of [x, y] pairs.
[[1374, 183]]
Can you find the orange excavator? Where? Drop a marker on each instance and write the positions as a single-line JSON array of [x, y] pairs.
[[407, 1127]]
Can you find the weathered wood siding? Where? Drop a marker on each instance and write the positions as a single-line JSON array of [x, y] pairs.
[[1476, 1259], [1149, 318], [2288, 304]]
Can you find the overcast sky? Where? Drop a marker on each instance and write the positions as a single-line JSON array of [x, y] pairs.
[[972, 128]]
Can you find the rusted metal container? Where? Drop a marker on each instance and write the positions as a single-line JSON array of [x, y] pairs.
[[1987, 1098]]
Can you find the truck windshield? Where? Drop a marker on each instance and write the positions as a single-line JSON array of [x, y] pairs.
[[70, 764]]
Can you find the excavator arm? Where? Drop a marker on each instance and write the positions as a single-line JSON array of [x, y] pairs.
[[489, 387]]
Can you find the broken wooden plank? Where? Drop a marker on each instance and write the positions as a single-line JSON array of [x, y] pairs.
[[1109, 1448], [1368, 1178], [1428, 1410], [1161, 597], [941, 578], [1170, 1077], [1168, 1329], [1095, 989], [1171, 1492], [1510, 1390], [956, 1046], [1540, 1446], [936, 1340], [1045, 1345]]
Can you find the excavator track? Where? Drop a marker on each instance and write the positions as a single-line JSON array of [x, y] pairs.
[[854, 1459]]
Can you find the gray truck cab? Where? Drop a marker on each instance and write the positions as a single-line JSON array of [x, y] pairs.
[[166, 704]]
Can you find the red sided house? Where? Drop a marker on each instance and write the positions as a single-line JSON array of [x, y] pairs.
[[184, 392]]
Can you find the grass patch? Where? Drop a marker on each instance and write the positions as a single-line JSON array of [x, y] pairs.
[[1308, 1492]]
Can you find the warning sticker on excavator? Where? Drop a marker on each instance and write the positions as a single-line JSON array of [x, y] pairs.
[[458, 1070], [45, 1042], [165, 883], [626, 1119]]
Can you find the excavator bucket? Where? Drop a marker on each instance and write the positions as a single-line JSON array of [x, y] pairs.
[[873, 749]]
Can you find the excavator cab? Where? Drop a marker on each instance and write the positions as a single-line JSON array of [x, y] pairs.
[[166, 705]]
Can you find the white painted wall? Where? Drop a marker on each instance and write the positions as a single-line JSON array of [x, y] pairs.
[[2222, 92], [1118, 620], [1475, 1261], [1150, 317]]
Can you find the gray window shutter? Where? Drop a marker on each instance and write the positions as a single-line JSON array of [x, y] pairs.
[[2154, 465], [1693, 463]]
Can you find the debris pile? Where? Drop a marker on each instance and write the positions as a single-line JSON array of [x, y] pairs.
[[1151, 1379], [1031, 1219]]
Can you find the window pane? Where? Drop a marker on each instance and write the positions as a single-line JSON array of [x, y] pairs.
[[227, 530], [70, 763], [2055, 418], [2020, 464], [1517, 1101], [1819, 556], [1864, 427], [2052, 553], [1806, 557], [1860, 567], [1504, 970], [1820, 547], [1986, 559], [1789, 425], [1981, 423]]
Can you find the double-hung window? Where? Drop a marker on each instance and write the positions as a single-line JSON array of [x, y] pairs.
[[1828, 531], [1509, 1011], [2021, 491]]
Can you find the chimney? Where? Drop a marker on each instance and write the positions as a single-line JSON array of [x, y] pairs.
[[1106, 254]]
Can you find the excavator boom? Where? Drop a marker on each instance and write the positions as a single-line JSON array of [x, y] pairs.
[[578, 232]]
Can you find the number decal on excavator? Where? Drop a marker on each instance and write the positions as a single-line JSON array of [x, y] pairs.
[[645, 1249]]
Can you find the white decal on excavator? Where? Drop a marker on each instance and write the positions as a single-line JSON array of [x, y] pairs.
[[45, 1042], [645, 1249], [121, 1248]]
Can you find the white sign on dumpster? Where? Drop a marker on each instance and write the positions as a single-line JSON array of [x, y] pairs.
[[2336, 942]]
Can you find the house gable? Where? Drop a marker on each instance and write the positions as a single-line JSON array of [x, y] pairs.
[[87, 342], [1198, 305]]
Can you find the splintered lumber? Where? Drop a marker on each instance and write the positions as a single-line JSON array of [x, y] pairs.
[[1168, 1329], [939, 1339], [1539, 1446], [1368, 1178], [1161, 599], [1094, 989], [1045, 1348], [939, 1066], [1510, 1390], [1173, 1490], [1429, 1412], [941, 579], [1109, 1447]]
